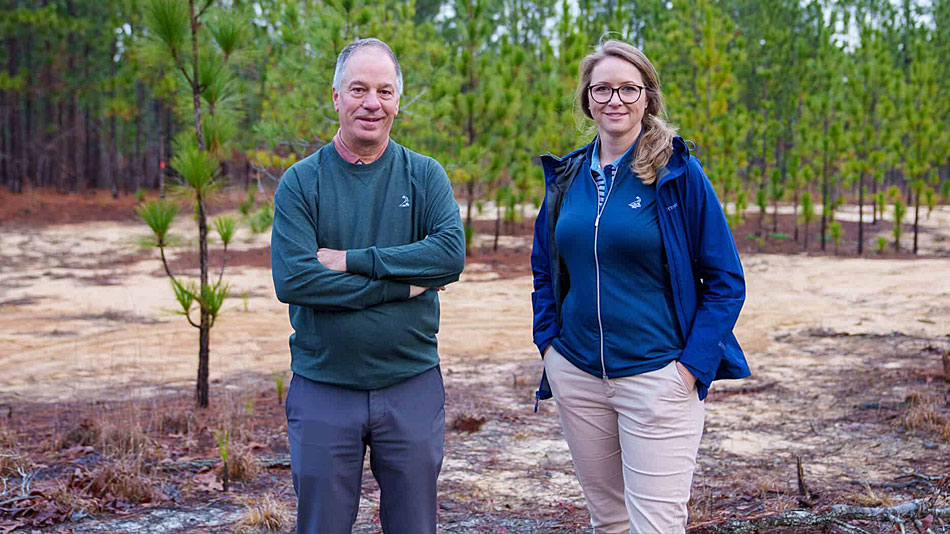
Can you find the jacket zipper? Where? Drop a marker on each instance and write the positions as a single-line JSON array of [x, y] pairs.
[[600, 324]]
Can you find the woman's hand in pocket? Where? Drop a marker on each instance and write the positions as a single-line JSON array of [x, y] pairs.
[[687, 377]]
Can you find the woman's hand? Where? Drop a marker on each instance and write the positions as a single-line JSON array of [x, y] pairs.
[[687, 377]]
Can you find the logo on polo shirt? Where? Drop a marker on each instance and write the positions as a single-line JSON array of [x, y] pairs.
[[405, 202], [635, 204]]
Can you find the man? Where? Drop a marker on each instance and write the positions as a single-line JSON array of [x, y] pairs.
[[365, 233]]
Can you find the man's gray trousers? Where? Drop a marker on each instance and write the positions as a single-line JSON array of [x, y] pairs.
[[329, 429]]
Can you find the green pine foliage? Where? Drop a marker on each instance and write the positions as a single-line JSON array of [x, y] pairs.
[[779, 99], [204, 46]]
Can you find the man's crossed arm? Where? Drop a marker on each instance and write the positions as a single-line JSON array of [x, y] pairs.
[[335, 260]]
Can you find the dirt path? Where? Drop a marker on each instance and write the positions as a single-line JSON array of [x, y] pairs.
[[836, 346]]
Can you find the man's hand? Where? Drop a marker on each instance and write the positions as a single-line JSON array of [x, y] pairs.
[[335, 260], [415, 291]]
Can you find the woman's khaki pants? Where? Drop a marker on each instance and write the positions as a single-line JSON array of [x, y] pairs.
[[633, 441]]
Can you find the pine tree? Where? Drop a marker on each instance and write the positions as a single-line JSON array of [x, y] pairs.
[[869, 110], [475, 105], [197, 42], [821, 125], [925, 147], [696, 53]]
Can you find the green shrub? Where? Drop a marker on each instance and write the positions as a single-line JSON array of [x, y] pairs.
[[469, 236], [836, 233], [779, 236], [247, 206], [881, 244], [262, 220]]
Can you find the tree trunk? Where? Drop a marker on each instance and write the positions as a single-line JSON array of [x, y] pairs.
[[470, 189], [46, 155], [874, 214], [861, 213], [13, 139], [59, 156], [89, 152], [4, 144], [204, 343], [917, 216], [162, 133], [113, 142], [204, 337], [29, 128], [113, 158], [497, 226], [824, 189], [139, 166], [195, 86], [775, 215], [205, 325], [72, 143], [795, 210], [765, 157]]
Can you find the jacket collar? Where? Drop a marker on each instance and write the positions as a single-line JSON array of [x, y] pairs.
[[558, 171], [677, 164], [555, 168]]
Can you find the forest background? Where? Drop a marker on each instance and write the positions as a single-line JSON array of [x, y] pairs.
[[809, 103]]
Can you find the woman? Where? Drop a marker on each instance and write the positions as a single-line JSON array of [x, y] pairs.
[[637, 288]]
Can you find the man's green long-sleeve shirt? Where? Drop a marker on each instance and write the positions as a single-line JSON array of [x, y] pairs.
[[399, 223]]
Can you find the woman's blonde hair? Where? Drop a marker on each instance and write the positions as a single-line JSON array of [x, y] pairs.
[[656, 141]]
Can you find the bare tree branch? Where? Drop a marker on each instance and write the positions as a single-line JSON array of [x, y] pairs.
[[916, 509]]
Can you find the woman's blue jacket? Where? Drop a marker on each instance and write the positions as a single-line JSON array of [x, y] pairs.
[[705, 271]]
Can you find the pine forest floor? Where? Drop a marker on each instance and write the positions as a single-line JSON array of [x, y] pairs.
[[98, 431]]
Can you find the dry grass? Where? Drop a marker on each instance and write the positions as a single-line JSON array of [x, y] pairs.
[[923, 413], [266, 514], [239, 419], [87, 433], [177, 422], [871, 498], [119, 481], [124, 440], [243, 466], [7, 439], [71, 499], [12, 464], [120, 437]]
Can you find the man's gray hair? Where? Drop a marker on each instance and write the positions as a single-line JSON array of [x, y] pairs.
[[351, 48]]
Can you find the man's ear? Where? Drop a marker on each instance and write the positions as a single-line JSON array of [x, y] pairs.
[[336, 99]]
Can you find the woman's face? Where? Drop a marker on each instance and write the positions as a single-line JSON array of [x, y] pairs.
[[615, 118]]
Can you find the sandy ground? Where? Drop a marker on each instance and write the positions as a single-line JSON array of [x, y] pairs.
[[87, 313], [87, 309]]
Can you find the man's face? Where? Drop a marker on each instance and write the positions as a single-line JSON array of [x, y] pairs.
[[367, 100]]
